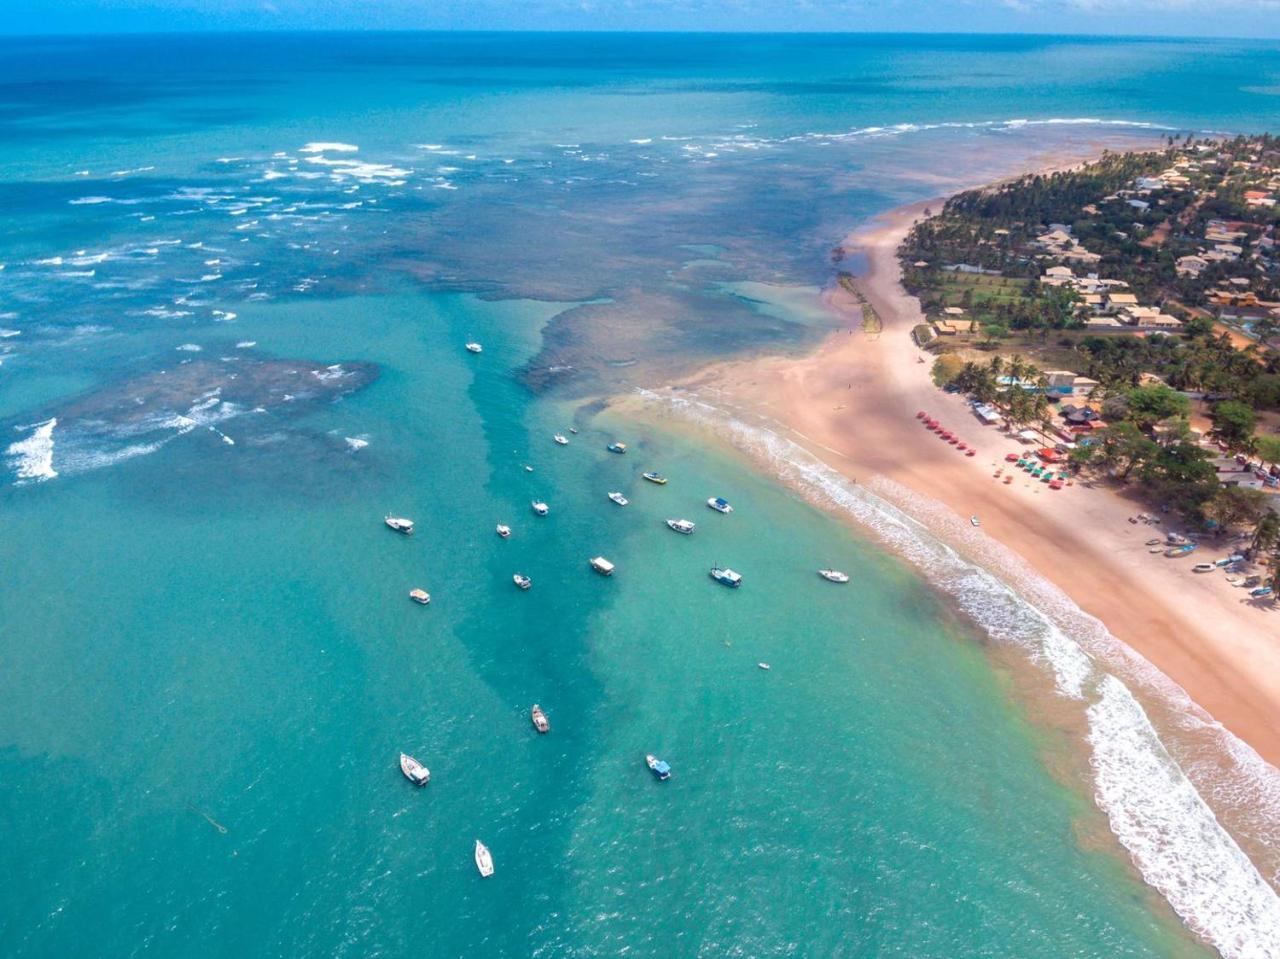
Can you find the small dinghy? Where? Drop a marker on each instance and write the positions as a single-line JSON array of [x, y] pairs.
[[504, 531], [541, 508], [399, 524], [414, 771], [764, 666], [420, 596], [619, 499], [539, 719], [561, 440], [658, 767], [833, 575], [474, 347], [975, 521], [484, 859], [524, 582]]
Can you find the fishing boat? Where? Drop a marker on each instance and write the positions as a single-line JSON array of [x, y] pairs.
[[681, 526], [420, 596], [602, 566], [504, 531], [484, 859], [474, 347], [561, 440], [524, 582], [975, 521], [833, 575], [1260, 592], [1180, 550], [720, 504], [414, 771], [539, 718], [619, 499], [616, 447], [653, 477], [726, 576], [399, 524], [539, 507], [658, 767]]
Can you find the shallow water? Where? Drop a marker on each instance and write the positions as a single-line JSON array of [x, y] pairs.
[[209, 662]]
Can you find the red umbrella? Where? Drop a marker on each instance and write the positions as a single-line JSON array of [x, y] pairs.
[[1011, 457]]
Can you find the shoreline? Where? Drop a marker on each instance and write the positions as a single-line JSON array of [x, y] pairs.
[[1176, 715]]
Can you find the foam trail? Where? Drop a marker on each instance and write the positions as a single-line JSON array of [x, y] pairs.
[[32, 458], [1151, 804]]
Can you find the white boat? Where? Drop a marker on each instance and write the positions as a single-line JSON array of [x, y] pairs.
[[504, 531], [834, 575], [399, 524], [573, 430], [681, 526], [720, 504], [602, 566], [658, 767], [474, 347], [420, 596], [1203, 568], [726, 576], [414, 771], [616, 447], [541, 508], [539, 719], [524, 582], [764, 666], [619, 499], [975, 521], [484, 859], [561, 440]]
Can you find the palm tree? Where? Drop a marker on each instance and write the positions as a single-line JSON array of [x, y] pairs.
[[1266, 534]]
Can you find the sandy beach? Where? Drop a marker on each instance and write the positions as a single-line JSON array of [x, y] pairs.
[[853, 404]]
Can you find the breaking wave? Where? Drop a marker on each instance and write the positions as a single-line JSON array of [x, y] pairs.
[[1149, 798], [32, 458]]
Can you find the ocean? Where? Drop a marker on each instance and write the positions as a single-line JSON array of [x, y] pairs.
[[237, 273]]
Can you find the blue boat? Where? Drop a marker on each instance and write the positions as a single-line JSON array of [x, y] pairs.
[[720, 504], [726, 576], [658, 767], [1260, 592]]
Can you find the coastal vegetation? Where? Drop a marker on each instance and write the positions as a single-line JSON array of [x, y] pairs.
[[1154, 276]]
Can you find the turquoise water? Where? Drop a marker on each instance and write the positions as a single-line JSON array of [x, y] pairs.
[[221, 367]]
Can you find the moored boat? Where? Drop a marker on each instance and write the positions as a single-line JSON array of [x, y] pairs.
[[484, 859], [658, 767], [619, 498], [764, 666], [474, 347], [420, 596], [1203, 568], [616, 447], [726, 576], [539, 719], [504, 531], [833, 575], [399, 524], [414, 771], [653, 477], [973, 520], [681, 526], [1260, 592], [720, 504], [602, 566], [539, 507], [524, 582], [561, 440]]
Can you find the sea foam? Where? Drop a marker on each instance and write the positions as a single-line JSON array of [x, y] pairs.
[[1153, 807], [32, 458]]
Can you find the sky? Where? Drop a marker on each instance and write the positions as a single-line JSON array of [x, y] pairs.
[[1234, 18]]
